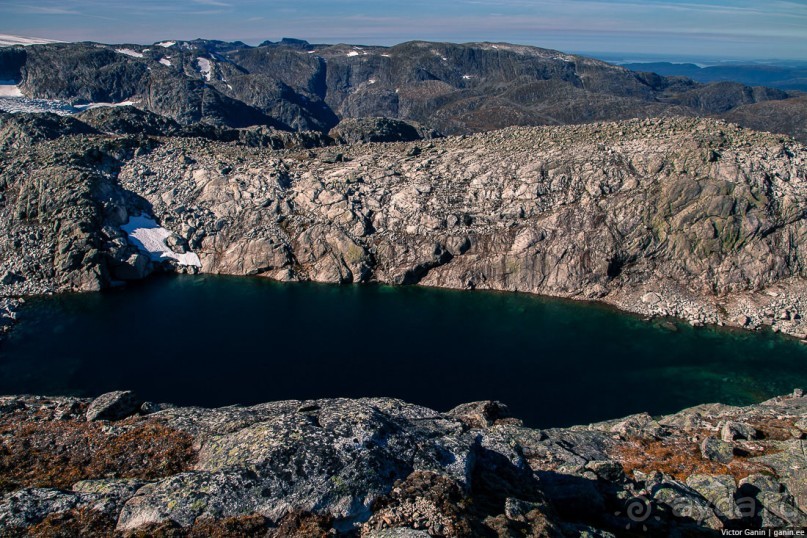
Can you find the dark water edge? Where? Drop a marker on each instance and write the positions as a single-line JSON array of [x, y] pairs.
[[213, 341]]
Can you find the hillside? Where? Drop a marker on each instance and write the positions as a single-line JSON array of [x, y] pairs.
[[450, 88], [682, 217]]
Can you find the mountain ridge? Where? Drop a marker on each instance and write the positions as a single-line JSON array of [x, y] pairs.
[[294, 85]]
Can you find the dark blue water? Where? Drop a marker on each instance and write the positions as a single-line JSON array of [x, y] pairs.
[[215, 341]]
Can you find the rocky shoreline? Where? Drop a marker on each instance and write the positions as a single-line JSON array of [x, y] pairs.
[[8, 314], [690, 218], [117, 466]]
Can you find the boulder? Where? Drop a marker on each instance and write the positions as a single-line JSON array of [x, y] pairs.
[[400, 532], [732, 431], [136, 267], [28, 507], [10, 277], [352, 131], [113, 406], [714, 449], [480, 414], [719, 491], [177, 244]]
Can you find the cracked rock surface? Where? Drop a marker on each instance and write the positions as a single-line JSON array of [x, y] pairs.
[[691, 218], [382, 467]]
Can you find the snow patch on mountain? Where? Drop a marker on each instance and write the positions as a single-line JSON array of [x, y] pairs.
[[166, 62], [130, 52], [9, 88], [205, 67], [149, 237], [166, 44], [90, 106], [15, 105]]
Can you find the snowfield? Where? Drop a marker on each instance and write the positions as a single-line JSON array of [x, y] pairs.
[[89, 106], [130, 52], [166, 62], [149, 238], [15, 105], [9, 88], [204, 67], [12, 101], [166, 44]]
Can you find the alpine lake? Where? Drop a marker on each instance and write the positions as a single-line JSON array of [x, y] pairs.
[[214, 341]]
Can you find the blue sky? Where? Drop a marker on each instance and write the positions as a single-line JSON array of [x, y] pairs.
[[711, 28]]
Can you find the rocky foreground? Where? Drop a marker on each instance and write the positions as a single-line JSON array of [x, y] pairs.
[[116, 466], [692, 218]]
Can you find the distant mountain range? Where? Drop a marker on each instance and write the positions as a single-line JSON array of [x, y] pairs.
[[295, 85], [793, 77]]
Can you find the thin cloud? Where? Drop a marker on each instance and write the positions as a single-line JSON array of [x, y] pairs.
[[43, 10], [215, 3]]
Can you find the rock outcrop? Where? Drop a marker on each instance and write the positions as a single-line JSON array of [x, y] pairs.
[[682, 217], [381, 467], [354, 131]]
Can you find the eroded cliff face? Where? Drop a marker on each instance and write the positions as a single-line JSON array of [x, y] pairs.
[[683, 217], [380, 467]]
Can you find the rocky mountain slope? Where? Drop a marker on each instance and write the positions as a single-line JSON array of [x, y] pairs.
[[451, 88], [788, 116], [379, 467], [680, 217]]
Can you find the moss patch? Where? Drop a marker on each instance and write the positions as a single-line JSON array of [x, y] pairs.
[[58, 453]]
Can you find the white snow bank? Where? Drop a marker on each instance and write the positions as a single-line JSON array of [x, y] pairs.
[[150, 238], [89, 106], [17, 105], [129, 52], [352, 53], [166, 62], [204, 67], [166, 44], [9, 89]]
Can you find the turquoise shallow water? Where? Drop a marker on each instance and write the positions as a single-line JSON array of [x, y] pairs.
[[214, 341]]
